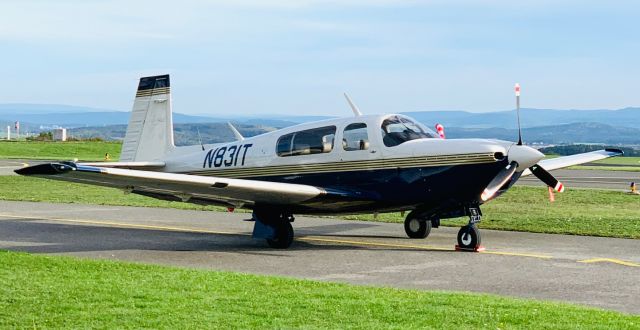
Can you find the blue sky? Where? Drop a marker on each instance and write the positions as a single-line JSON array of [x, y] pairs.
[[297, 56]]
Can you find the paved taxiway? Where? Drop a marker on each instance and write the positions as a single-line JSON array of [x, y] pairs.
[[594, 271], [618, 180]]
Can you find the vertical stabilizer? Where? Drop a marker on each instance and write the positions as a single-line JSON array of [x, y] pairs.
[[150, 131]]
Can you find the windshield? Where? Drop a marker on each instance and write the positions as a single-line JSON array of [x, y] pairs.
[[397, 130]]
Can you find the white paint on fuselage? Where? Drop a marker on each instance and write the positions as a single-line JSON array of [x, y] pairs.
[[262, 151]]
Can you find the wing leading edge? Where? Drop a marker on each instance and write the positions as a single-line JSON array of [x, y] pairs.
[[236, 192], [566, 161]]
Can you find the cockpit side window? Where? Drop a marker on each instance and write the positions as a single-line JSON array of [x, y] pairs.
[[311, 141], [355, 137], [397, 130]]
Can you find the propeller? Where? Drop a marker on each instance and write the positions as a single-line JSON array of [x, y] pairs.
[[500, 180], [546, 177], [520, 156]]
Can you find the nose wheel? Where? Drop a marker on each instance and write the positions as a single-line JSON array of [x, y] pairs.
[[469, 235], [468, 238]]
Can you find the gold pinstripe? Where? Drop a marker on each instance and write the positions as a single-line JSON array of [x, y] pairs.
[[154, 91], [348, 166]]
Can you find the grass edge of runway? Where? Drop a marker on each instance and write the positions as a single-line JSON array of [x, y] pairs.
[[69, 150], [67, 292], [588, 212]]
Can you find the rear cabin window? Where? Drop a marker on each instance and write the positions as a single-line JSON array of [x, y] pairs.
[[307, 142], [398, 130], [355, 137]]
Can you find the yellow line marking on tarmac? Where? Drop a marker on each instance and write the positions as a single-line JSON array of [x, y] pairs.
[[517, 254], [126, 225], [328, 240], [302, 238], [615, 261], [418, 247]]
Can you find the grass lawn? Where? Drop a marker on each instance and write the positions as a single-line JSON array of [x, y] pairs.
[[576, 211], [631, 164], [87, 151], [65, 292]]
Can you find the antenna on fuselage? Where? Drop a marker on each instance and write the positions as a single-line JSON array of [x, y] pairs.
[[517, 90], [200, 138], [237, 134], [356, 111]]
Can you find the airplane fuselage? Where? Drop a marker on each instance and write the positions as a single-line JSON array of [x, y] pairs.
[[351, 154]]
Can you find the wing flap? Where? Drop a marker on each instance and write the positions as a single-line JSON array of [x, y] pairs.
[[233, 191], [566, 161], [129, 165]]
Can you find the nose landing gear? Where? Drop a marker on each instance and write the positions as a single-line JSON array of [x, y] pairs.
[[469, 235]]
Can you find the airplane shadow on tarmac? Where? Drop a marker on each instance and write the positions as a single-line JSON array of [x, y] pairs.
[[37, 237]]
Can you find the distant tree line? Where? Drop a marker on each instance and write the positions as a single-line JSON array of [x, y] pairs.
[[48, 136], [43, 136], [573, 149]]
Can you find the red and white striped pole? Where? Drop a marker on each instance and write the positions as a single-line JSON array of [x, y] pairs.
[[517, 90], [440, 130]]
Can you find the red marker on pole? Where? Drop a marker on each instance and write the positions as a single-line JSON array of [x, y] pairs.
[[517, 90], [440, 130]]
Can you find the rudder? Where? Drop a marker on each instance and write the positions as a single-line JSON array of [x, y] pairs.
[[150, 131]]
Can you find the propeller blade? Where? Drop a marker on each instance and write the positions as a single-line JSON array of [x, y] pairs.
[[546, 177], [503, 177]]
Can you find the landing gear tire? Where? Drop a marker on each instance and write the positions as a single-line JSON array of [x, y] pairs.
[[469, 237], [417, 228], [283, 236]]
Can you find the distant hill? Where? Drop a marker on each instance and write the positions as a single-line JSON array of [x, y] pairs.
[[29, 108], [628, 117], [184, 134], [32, 116], [72, 116], [546, 126], [85, 119], [556, 134]]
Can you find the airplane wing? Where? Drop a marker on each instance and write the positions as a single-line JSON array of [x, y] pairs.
[[188, 188], [566, 161], [129, 165]]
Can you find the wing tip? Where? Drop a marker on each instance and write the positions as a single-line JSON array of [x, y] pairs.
[[619, 152], [45, 169]]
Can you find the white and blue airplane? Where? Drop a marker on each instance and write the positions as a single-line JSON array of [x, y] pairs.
[[359, 164]]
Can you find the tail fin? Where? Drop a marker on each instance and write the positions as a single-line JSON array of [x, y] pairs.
[[150, 131]]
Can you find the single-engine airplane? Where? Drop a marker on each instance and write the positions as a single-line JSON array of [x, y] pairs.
[[359, 164]]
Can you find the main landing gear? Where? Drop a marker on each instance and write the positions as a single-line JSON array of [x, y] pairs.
[[417, 226], [469, 235], [274, 226]]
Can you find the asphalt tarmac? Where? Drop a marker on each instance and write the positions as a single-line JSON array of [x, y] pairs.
[[616, 180], [601, 272]]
